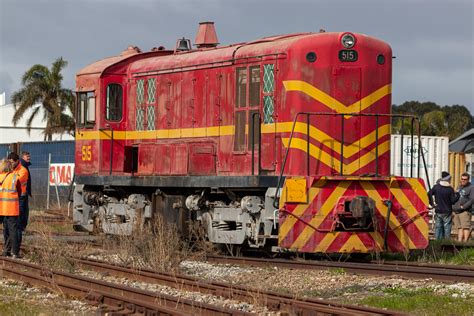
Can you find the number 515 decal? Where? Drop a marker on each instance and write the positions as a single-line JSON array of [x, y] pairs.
[[86, 152]]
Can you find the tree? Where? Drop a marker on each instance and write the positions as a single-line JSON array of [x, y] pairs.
[[434, 123], [43, 85], [449, 121], [459, 120]]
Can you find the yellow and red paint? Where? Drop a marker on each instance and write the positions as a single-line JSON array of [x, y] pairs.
[[309, 226]]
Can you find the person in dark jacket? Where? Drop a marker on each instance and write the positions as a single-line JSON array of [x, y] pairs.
[[463, 208], [442, 197], [25, 161]]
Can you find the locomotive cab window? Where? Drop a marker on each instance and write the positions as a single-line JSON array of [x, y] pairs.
[[247, 102], [254, 86], [114, 102], [85, 109]]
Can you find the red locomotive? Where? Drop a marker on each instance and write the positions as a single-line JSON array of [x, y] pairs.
[[281, 142]]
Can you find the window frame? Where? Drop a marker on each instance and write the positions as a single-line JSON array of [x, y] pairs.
[[247, 108], [107, 108], [82, 109]]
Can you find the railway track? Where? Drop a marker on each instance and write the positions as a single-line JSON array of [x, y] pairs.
[[118, 296], [111, 298], [408, 269], [273, 301]]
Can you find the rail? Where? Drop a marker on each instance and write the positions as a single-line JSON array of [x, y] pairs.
[[343, 116]]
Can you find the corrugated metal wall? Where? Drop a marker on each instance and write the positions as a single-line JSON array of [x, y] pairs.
[[435, 151], [61, 152]]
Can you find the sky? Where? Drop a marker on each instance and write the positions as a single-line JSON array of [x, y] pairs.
[[432, 39]]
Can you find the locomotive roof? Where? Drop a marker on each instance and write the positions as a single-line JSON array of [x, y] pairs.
[[267, 45], [162, 60]]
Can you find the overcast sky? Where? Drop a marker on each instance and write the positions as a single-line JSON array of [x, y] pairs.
[[432, 40]]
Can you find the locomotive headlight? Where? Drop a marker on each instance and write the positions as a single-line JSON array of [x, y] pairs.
[[348, 40]]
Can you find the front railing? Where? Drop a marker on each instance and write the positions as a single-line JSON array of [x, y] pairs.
[[307, 117]]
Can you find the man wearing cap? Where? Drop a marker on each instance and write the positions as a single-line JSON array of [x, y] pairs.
[[462, 208], [444, 197]]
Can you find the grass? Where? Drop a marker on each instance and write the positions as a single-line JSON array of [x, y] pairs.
[[434, 253], [157, 245], [14, 303], [420, 302], [337, 271]]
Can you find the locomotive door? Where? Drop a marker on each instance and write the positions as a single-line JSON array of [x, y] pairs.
[[112, 126], [347, 89], [254, 147]]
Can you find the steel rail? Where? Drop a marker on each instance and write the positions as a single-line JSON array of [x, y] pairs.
[[421, 271], [273, 301], [119, 296]]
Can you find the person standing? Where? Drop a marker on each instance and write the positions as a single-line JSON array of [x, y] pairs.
[[23, 175], [10, 191], [444, 198], [462, 208], [25, 161]]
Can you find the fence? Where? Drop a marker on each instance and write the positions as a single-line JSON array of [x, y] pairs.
[[61, 152]]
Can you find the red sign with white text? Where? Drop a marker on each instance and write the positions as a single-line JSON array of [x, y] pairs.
[[61, 174]]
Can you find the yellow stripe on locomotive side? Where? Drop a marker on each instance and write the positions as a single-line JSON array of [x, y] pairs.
[[213, 131], [229, 130], [332, 103]]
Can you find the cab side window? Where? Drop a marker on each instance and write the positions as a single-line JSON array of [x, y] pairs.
[[85, 109], [113, 111]]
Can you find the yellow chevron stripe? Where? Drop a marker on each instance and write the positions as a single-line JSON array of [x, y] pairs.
[[353, 243], [382, 208], [332, 103], [419, 189], [319, 217], [327, 240], [325, 139], [408, 206], [331, 161], [316, 152], [378, 239], [290, 221]]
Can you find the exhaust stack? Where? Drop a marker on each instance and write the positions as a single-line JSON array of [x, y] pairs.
[[206, 36]]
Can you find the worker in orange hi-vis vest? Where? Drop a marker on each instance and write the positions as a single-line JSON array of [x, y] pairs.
[[10, 191], [23, 176]]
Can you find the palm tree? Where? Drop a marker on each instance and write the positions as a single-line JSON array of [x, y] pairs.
[[43, 85]]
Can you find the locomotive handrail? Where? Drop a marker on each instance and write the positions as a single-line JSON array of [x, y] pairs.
[[343, 115], [252, 132]]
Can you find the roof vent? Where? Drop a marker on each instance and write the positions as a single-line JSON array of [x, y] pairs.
[[206, 36], [131, 50]]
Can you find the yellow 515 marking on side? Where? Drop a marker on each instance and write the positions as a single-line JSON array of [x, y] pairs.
[[86, 152]]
